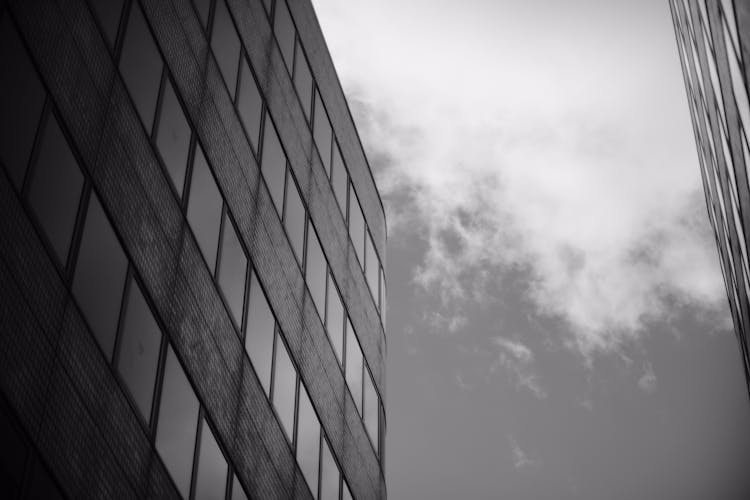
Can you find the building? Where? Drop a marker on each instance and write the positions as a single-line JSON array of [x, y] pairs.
[[192, 286], [713, 40]]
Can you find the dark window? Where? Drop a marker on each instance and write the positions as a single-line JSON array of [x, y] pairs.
[[308, 440], [173, 137], [41, 484], [249, 104], [294, 217], [204, 208], [139, 350], [329, 474], [237, 492], [323, 135], [316, 271], [141, 65], [226, 45], [232, 270], [340, 179], [357, 226], [371, 410], [100, 276], [284, 387], [178, 420], [13, 455], [56, 187], [335, 320], [273, 164], [259, 333], [283, 27], [303, 80], [108, 12], [211, 479], [354, 366], [372, 266], [22, 98], [203, 7]]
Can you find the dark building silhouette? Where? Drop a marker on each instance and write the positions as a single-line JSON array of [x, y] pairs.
[[713, 40], [192, 248]]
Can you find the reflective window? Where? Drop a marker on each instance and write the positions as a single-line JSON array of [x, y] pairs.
[[329, 474], [273, 164], [226, 45], [340, 179], [108, 12], [22, 97], [249, 104], [335, 320], [204, 208], [141, 65], [283, 27], [203, 7], [139, 350], [322, 133], [284, 387], [371, 410], [178, 420], [372, 266], [237, 492], [173, 137], [211, 478], [316, 270], [303, 80], [294, 217], [354, 366], [259, 333], [345, 493], [357, 226], [308, 440], [232, 270], [56, 187], [100, 276]]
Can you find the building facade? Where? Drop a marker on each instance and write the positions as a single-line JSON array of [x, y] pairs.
[[713, 40], [192, 286]]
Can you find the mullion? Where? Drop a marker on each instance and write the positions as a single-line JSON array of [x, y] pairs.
[[219, 244], [197, 447]]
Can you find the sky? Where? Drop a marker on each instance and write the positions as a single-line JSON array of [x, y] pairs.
[[557, 322]]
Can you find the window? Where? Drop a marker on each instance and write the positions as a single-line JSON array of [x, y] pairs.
[[284, 387], [237, 492], [273, 164], [100, 276], [139, 350], [178, 421], [303, 80], [294, 217], [211, 478], [108, 13], [13, 456], [329, 474], [316, 271], [345, 494], [232, 270], [371, 410], [357, 226], [335, 320], [141, 65], [173, 137], [308, 440], [226, 45], [340, 179], [372, 266], [22, 97], [204, 208], [283, 27], [249, 104], [381, 303], [259, 333], [323, 134], [354, 366]]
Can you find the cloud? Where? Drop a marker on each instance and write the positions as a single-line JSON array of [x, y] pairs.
[[520, 459], [647, 382], [517, 359]]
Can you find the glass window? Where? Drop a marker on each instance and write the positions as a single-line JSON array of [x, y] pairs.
[[232, 270], [340, 179], [329, 474], [141, 65], [294, 217], [41, 484], [322, 133], [335, 320], [372, 267], [316, 270], [371, 410], [284, 387], [204, 208], [249, 104], [100, 276], [354, 366], [13, 455], [211, 478], [226, 45], [259, 333], [308, 440], [173, 137], [108, 12], [303, 80], [178, 421], [357, 226], [139, 350], [56, 188], [237, 492], [203, 7], [345, 494], [273, 164], [283, 27], [381, 304], [22, 97]]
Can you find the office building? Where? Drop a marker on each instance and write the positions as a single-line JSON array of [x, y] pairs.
[[192, 286]]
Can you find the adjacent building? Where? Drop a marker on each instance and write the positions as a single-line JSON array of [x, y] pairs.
[[192, 286], [713, 40]]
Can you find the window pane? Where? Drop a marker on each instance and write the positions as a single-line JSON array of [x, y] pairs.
[[139, 350], [178, 420], [249, 104], [354, 366], [226, 45], [232, 270], [322, 132], [357, 226], [22, 97], [237, 492], [371, 410], [284, 386], [108, 12], [329, 474], [373, 267], [316, 271], [381, 303], [294, 217], [13, 454], [100, 276], [204, 208], [203, 7], [273, 164], [173, 137], [283, 27], [140, 65], [211, 479], [41, 485], [308, 440], [340, 179], [346, 494], [335, 320], [303, 80], [259, 333]]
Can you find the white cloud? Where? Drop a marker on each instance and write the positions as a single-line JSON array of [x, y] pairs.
[[520, 459], [518, 359], [647, 382]]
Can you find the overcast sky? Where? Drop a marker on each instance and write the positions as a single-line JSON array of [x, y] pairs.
[[557, 324]]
